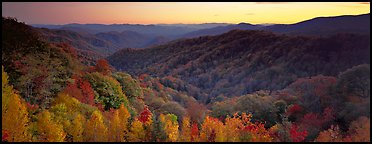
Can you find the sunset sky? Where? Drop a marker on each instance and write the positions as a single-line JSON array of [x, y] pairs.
[[177, 12]]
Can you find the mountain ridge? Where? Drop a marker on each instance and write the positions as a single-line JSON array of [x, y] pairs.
[[236, 62]]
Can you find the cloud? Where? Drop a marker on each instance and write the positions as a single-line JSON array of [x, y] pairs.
[[249, 14], [216, 15]]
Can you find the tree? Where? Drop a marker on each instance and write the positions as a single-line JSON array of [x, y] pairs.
[[118, 125], [124, 116], [212, 130], [173, 108], [232, 127], [253, 132], [196, 111], [185, 135], [103, 67], [49, 131], [115, 133], [77, 128], [108, 90], [194, 133], [297, 136], [14, 113], [130, 86], [333, 134], [355, 81], [145, 118], [170, 126], [360, 130], [95, 130], [159, 134], [136, 132]]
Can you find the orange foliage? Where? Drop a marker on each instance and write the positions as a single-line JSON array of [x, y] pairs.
[[103, 67]]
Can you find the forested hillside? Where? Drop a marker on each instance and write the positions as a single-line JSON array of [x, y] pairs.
[[92, 47], [241, 62]]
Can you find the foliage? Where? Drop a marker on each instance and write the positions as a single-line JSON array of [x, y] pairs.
[[77, 128], [240, 62], [48, 130], [170, 126], [103, 67], [109, 91], [130, 86], [296, 135], [96, 130], [136, 132], [185, 134], [15, 118]]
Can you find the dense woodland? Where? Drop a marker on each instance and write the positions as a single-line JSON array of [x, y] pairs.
[[300, 89], [241, 62]]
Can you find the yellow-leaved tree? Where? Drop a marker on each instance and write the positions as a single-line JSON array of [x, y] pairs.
[[212, 130], [77, 128], [137, 132], [14, 113], [95, 130], [185, 135], [170, 126], [232, 127], [118, 124], [48, 130]]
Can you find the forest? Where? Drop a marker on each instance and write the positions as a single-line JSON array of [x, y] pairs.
[[301, 89]]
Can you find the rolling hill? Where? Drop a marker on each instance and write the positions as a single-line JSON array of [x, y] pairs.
[[241, 62]]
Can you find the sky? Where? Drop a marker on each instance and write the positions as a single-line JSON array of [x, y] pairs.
[[177, 12]]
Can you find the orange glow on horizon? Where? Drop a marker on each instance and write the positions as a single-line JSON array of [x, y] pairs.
[[177, 12]]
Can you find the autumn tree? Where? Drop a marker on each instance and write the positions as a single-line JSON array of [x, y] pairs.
[[95, 130], [185, 135], [194, 133], [14, 113], [118, 129], [48, 130], [170, 126], [253, 132], [333, 134], [103, 67], [196, 111], [233, 125], [136, 132], [130, 86], [145, 118], [77, 128], [296, 134], [212, 130], [108, 90], [114, 128], [360, 129]]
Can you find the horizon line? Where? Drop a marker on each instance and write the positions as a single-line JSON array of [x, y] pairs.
[[189, 23]]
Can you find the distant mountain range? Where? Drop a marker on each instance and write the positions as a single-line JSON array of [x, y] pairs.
[[221, 29], [104, 43], [168, 30], [316, 26], [325, 26], [321, 26], [107, 39]]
